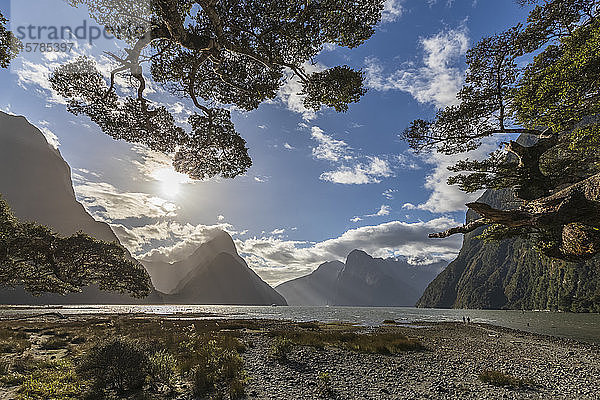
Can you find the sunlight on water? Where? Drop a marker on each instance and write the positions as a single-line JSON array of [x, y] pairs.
[[584, 327]]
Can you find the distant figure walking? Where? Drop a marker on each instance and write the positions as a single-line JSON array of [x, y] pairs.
[[464, 320], [468, 320]]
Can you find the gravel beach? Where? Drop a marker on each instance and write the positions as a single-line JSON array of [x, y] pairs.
[[449, 367]]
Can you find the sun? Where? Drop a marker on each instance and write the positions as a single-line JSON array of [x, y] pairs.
[[170, 180]]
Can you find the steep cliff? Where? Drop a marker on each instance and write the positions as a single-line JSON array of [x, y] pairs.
[[511, 274]]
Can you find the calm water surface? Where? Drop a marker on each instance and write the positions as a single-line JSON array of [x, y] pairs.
[[585, 327]]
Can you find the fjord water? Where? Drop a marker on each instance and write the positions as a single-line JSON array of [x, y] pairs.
[[578, 326]]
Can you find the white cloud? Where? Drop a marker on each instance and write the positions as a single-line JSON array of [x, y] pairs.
[[288, 146], [389, 193], [383, 211], [279, 231], [277, 260], [261, 179], [392, 11], [105, 202], [328, 148], [220, 217], [360, 173], [443, 197], [7, 110], [439, 77], [356, 219], [51, 138], [168, 241]]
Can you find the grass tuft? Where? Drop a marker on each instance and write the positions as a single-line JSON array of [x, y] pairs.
[[498, 378], [281, 348], [55, 343], [378, 342]]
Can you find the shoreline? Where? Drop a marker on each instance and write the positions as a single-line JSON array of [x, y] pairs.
[[576, 326], [449, 364]]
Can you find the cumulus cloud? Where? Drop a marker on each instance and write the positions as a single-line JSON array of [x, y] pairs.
[[351, 167], [383, 211], [51, 138], [392, 11], [443, 197], [328, 148], [360, 173], [287, 259], [436, 80], [261, 179], [105, 202], [169, 240]]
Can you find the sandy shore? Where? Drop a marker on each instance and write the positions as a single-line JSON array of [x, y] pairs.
[[455, 354]]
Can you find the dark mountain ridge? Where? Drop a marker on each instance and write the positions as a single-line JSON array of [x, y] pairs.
[[361, 281]]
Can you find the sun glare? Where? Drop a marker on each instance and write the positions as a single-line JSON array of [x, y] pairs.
[[170, 180]]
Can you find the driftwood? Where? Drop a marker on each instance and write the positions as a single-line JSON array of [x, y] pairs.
[[573, 212]]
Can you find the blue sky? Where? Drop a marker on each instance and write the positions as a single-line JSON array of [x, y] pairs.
[[321, 184]]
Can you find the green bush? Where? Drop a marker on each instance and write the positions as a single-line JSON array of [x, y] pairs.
[[324, 384], [281, 347], [498, 378], [52, 381], [121, 365], [163, 368], [14, 345], [217, 367]]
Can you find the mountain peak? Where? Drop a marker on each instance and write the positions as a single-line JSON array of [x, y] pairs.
[[224, 242], [357, 256]]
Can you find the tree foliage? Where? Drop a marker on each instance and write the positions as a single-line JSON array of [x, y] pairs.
[[9, 44], [216, 54], [39, 260], [553, 101]]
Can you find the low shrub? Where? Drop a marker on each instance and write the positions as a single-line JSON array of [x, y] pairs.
[[324, 384], [121, 365], [163, 369], [281, 348], [55, 380], [498, 378], [55, 343], [12, 379], [216, 366], [78, 340], [14, 345]]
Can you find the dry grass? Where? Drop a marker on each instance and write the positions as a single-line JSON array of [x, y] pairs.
[[181, 357], [349, 338], [498, 378]]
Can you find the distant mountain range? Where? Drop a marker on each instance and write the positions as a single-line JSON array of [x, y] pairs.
[[361, 281], [36, 183]]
